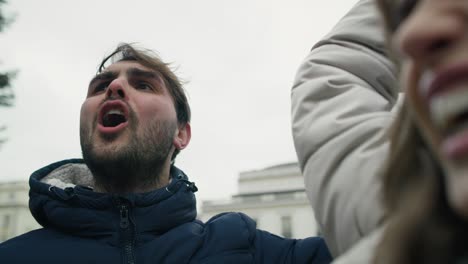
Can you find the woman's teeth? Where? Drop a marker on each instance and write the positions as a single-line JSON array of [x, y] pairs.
[[449, 110]]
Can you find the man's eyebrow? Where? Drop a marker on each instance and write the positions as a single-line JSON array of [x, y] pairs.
[[107, 75], [135, 72]]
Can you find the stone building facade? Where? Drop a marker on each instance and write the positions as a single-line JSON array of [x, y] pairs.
[[15, 217], [274, 197]]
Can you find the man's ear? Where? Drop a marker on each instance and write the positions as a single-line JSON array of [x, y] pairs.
[[183, 135]]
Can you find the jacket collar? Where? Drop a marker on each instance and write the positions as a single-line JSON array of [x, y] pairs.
[[73, 207]]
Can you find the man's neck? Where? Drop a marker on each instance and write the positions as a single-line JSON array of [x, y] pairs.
[[139, 183]]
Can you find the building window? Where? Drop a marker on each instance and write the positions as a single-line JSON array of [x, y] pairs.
[[6, 221], [286, 227], [4, 228]]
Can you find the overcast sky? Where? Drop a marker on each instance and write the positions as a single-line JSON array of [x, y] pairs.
[[239, 58]]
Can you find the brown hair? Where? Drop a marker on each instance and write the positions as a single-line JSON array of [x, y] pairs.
[[148, 58], [420, 225]]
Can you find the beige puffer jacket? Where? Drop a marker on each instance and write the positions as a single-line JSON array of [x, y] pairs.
[[343, 100]]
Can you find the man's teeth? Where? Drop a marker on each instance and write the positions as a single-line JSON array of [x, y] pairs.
[[445, 108], [114, 111], [113, 118]]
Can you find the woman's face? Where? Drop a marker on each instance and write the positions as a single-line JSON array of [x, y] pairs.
[[432, 37]]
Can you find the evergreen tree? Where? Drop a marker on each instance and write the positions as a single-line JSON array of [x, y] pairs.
[[6, 94]]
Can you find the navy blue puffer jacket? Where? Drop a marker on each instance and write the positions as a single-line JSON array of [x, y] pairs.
[[82, 226]]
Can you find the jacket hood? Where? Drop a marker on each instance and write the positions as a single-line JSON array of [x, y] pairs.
[[63, 191]]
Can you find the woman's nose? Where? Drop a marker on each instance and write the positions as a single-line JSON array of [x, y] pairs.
[[425, 35]]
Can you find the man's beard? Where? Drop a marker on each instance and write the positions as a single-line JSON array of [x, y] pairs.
[[136, 165]]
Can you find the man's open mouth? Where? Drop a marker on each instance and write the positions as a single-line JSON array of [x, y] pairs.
[[113, 114], [113, 118]]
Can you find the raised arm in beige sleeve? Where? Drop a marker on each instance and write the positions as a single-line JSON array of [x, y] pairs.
[[343, 101]]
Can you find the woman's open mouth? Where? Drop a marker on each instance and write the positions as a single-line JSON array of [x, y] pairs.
[[447, 95]]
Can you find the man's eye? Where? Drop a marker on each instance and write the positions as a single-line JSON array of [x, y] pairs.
[[144, 86], [101, 87], [403, 11]]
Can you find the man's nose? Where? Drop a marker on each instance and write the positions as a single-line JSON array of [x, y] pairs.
[[116, 89], [425, 37]]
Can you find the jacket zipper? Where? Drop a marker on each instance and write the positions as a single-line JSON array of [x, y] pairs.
[[126, 230]]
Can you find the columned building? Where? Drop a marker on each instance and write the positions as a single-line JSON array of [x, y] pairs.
[[274, 197], [15, 217]]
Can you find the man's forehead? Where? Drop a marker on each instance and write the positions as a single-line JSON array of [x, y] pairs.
[[129, 68], [125, 65]]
